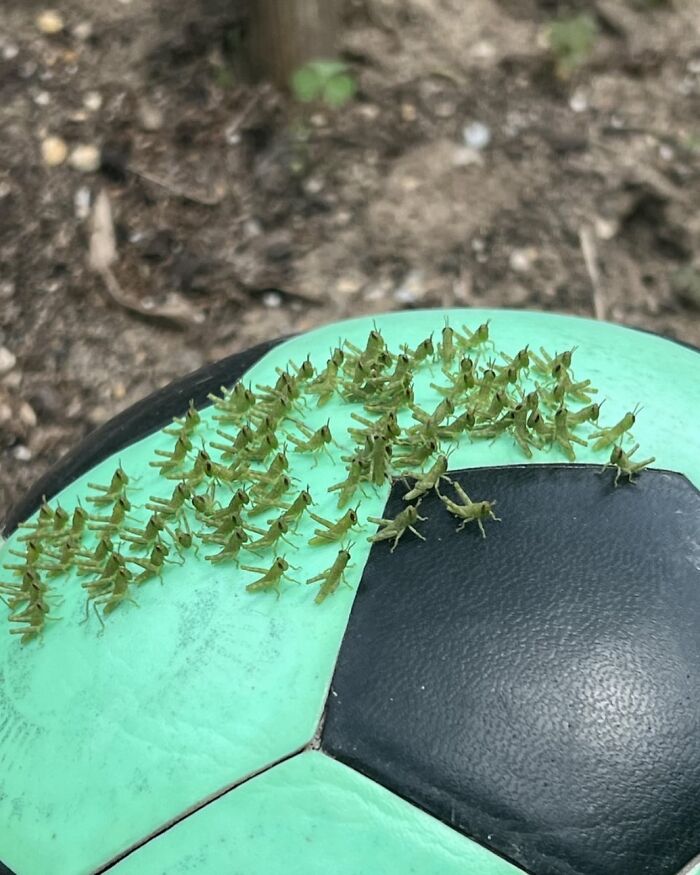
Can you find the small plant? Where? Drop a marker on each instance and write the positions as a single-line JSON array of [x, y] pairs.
[[571, 42], [327, 82]]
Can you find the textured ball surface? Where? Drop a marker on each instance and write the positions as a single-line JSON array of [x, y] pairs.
[[525, 702]]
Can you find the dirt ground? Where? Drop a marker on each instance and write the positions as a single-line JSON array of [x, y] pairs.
[[464, 173]]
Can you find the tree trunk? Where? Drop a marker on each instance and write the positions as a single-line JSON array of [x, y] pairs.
[[286, 34]]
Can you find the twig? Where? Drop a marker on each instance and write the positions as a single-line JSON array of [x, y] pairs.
[[590, 258], [103, 254], [207, 201]]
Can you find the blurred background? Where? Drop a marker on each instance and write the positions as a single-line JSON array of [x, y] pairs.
[[179, 181]]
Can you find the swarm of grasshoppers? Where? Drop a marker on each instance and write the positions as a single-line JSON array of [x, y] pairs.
[[229, 474]]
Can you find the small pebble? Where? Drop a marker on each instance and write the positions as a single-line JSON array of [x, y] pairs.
[[477, 136], [86, 159], [22, 453], [27, 416], [348, 285], [408, 112], [49, 22], [9, 51], [5, 189], [272, 300], [119, 391], [605, 229], [83, 31], [579, 101], [150, 117], [521, 260], [81, 203], [7, 361], [7, 290], [463, 156], [54, 151], [42, 98], [92, 101]]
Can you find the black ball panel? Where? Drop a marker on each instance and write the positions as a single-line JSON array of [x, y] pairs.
[[537, 690]]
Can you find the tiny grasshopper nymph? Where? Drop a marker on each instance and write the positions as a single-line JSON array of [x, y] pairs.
[[332, 531], [186, 424], [469, 510], [429, 480], [625, 466], [332, 577], [609, 436], [109, 494], [357, 471], [271, 576], [395, 528]]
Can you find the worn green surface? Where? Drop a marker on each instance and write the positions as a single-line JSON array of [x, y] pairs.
[[312, 816], [105, 738]]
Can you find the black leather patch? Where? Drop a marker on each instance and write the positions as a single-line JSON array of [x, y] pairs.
[[538, 690], [141, 419]]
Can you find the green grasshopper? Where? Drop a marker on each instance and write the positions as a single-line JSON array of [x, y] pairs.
[[292, 514], [357, 471], [332, 576], [625, 466], [469, 510], [269, 538], [174, 458], [326, 383], [332, 531], [186, 424], [115, 489], [173, 506], [470, 340], [111, 600], [270, 497], [234, 404], [608, 436], [230, 548], [315, 440], [395, 528], [271, 577], [429, 480], [34, 618]]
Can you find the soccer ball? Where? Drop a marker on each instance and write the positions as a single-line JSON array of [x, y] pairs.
[[516, 692]]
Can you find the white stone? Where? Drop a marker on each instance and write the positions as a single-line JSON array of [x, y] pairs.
[[54, 151], [477, 136], [7, 360], [92, 101], [49, 22], [85, 158]]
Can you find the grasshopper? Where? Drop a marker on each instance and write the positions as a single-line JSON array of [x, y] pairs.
[[608, 436], [271, 576], [332, 576], [395, 528], [293, 513], [315, 440], [174, 458], [186, 424], [269, 538], [625, 466], [230, 548], [332, 531], [429, 480], [110, 494], [357, 471], [469, 510]]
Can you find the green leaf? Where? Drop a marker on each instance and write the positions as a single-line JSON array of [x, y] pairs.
[[339, 91], [306, 84]]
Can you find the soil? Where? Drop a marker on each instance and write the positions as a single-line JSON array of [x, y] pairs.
[[239, 215]]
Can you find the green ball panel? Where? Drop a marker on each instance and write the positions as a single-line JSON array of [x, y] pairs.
[[312, 816], [107, 738]]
